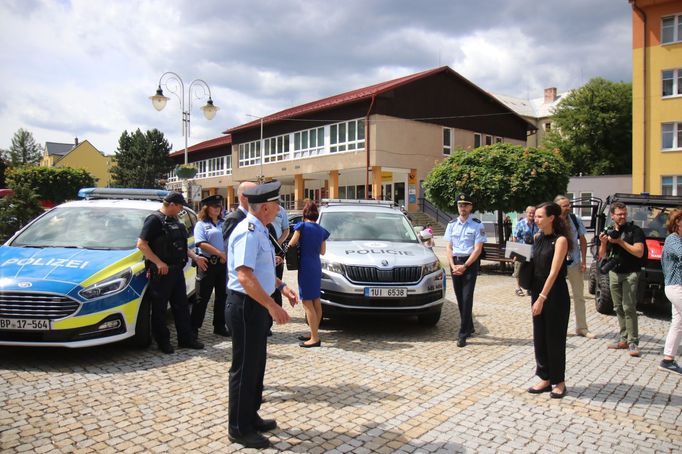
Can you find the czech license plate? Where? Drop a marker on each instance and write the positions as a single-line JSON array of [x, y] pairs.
[[385, 292], [29, 324]]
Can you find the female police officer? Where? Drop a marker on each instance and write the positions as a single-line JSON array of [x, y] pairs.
[[251, 281]]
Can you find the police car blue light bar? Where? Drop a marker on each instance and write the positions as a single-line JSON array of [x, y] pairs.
[[122, 193]]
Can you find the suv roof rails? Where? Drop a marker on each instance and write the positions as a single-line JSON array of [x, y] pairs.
[[122, 193], [386, 203]]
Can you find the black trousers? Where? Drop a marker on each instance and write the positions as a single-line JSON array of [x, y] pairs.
[[214, 278], [464, 291], [164, 289], [249, 323], [549, 332]]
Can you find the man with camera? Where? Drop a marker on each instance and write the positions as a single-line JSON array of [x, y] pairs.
[[621, 250], [526, 229]]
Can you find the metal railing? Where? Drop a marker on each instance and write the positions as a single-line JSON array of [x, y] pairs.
[[439, 216]]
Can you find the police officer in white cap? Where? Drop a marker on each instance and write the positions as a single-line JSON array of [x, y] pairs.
[[251, 281]]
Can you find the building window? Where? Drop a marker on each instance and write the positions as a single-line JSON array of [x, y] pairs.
[[547, 126], [477, 140], [249, 153], [671, 136], [276, 148], [671, 29], [585, 212], [488, 140], [671, 185], [498, 139], [672, 82], [308, 143], [347, 136], [447, 141]]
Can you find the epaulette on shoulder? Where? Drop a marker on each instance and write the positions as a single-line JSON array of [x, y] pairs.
[[476, 220]]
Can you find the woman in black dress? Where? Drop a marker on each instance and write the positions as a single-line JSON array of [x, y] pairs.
[[550, 301]]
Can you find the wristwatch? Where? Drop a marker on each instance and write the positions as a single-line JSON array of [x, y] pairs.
[[281, 286]]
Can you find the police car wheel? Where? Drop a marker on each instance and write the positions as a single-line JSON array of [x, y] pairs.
[[602, 297], [143, 328], [592, 278]]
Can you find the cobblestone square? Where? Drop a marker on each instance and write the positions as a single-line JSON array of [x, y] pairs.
[[375, 386]]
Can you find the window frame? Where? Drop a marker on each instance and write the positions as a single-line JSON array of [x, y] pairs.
[[447, 147], [478, 138], [676, 29], [675, 185], [676, 83], [676, 136], [339, 136]]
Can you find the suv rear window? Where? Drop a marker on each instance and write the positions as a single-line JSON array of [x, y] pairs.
[[651, 219], [367, 226]]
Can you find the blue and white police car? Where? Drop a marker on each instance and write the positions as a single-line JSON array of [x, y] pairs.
[[73, 277]]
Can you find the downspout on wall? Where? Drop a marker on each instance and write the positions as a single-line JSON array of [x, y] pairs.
[[642, 14]]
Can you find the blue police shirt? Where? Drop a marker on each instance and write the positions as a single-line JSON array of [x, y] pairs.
[[464, 235], [281, 222], [250, 246], [208, 232], [574, 253]]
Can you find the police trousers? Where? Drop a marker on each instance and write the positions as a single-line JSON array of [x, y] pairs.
[[214, 278], [464, 291], [249, 323], [164, 289]]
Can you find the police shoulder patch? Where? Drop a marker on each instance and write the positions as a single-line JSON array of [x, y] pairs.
[[252, 226]]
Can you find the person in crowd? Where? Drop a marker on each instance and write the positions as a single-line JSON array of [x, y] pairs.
[[507, 228], [672, 274], [577, 263], [525, 232], [623, 245], [163, 242], [429, 228], [310, 238], [251, 310], [208, 238], [465, 236], [550, 303], [426, 237]]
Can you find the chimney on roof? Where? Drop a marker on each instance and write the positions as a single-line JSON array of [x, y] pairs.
[[550, 95], [75, 139]]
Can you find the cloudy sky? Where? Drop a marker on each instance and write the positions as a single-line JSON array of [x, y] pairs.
[[85, 68]]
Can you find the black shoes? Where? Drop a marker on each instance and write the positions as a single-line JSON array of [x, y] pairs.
[[265, 425], [560, 395], [303, 338], [461, 342], [304, 345], [252, 440], [167, 348], [193, 344], [546, 389], [221, 331]]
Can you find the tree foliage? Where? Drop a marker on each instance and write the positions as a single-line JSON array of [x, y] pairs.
[[24, 149], [594, 128], [500, 177], [17, 210], [142, 160], [3, 169], [51, 183]]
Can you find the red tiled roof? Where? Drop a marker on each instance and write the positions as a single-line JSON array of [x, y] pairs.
[[343, 98], [205, 145]]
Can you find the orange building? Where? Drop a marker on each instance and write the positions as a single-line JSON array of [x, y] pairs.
[[657, 96]]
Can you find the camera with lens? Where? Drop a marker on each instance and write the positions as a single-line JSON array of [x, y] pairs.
[[612, 233], [609, 264], [528, 238]]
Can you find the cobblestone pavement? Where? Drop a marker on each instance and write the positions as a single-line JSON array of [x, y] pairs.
[[375, 386]]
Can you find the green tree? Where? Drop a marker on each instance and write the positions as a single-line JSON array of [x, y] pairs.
[[594, 128], [500, 177], [141, 160], [3, 169], [17, 210], [24, 149], [57, 184]]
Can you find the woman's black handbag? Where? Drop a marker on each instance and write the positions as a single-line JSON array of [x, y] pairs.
[[526, 274]]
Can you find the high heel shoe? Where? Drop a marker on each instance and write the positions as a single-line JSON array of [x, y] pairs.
[[316, 344]]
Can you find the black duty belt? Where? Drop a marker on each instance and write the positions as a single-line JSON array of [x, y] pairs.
[[460, 260], [213, 259]]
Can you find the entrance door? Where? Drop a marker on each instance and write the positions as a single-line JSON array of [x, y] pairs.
[[399, 193], [387, 191]]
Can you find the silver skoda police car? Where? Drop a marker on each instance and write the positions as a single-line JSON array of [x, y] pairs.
[[375, 263]]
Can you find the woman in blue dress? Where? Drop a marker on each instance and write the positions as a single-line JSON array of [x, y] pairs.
[[311, 238]]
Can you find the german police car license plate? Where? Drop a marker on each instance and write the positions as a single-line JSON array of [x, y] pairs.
[[29, 324], [385, 292]]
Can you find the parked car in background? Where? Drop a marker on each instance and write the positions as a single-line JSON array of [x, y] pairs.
[[74, 277]]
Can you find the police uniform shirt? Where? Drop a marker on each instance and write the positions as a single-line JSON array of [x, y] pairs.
[[249, 245], [464, 235], [281, 222], [208, 232]]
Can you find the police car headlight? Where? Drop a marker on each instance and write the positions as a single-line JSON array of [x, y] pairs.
[[430, 268], [332, 266], [109, 286]]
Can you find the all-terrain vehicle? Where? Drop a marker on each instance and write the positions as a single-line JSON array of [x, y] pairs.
[[650, 212]]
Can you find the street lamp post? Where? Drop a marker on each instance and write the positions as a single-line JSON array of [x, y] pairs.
[[197, 88]]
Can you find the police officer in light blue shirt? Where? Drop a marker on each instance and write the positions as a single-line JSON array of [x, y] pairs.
[[465, 237], [251, 310]]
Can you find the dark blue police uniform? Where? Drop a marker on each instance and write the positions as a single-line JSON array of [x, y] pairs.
[[249, 246], [463, 236]]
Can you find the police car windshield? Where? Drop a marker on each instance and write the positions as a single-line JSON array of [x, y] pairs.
[[85, 227], [367, 226]]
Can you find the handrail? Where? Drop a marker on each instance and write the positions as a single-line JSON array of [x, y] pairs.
[[440, 216]]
